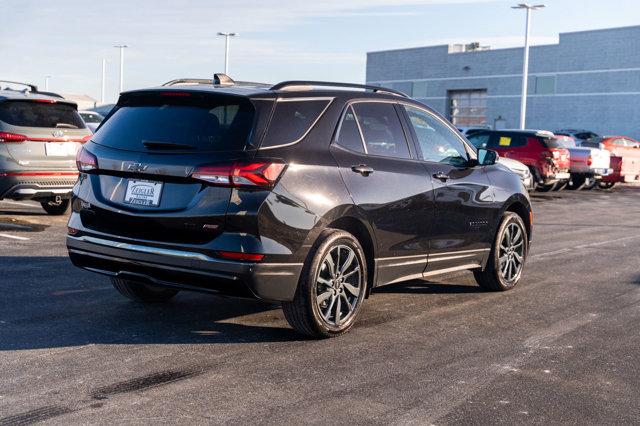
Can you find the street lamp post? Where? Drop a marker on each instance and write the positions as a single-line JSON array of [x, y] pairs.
[[226, 50], [121, 47], [46, 82], [525, 65], [103, 81]]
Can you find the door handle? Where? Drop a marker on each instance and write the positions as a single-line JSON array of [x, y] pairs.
[[363, 169], [441, 176]]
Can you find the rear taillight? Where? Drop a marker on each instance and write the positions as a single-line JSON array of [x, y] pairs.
[[85, 139], [235, 255], [259, 174], [589, 160], [12, 137], [86, 161]]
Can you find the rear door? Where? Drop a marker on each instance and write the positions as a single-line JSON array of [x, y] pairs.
[[389, 186], [464, 210], [49, 133]]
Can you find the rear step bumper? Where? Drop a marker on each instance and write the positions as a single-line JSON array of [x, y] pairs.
[[185, 270], [38, 185]]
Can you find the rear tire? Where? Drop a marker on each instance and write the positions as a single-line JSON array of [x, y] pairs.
[[508, 256], [590, 184], [142, 292], [577, 183], [54, 208], [332, 287], [545, 188], [606, 185], [559, 186]]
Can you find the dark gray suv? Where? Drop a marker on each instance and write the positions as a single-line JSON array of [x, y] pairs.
[[40, 133]]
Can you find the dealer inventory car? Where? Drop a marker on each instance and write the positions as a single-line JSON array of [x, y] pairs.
[[40, 133], [306, 193], [538, 149], [92, 119], [588, 164]]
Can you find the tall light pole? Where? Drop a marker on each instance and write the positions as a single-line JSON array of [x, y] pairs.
[[103, 81], [226, 50], [46, 82], [525, 65], [121, 47]]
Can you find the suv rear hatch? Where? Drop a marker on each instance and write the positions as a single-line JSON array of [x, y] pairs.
[[167, 163], [42, 134]]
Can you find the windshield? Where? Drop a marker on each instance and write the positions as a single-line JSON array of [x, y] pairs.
[[91, 118], [154, 123], [40, 114]]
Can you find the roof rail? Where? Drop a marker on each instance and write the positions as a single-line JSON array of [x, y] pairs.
[[219, 79], [292, 83], [32, 87]]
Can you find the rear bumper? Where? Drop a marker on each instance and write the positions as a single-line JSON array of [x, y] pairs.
[[37, 185], [185, 270]]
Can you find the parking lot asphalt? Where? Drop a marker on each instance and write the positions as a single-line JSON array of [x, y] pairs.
[[560, 348]]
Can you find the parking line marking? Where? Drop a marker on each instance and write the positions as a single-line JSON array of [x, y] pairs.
[[20, 204], [582, 246], [15, 237]]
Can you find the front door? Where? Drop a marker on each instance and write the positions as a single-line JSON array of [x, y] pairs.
[[388, 185], [465, 213]]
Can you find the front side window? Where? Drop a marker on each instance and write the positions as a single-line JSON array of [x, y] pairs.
[[381, 129], [349, 135], [436, 141], [479, 140]]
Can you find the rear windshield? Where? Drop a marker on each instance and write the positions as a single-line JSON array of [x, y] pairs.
[[178, 122], [40, 114]]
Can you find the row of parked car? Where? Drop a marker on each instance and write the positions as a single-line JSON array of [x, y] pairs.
[[566, 158]]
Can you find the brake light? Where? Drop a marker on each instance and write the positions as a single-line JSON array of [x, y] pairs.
[[259, 174], [11, 137], [45, 101], [589, 160], [85, 139], [234, 255], [86, 161], [182, 94]]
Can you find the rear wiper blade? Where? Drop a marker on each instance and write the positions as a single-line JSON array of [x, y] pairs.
[[66, 126], [166, 145]]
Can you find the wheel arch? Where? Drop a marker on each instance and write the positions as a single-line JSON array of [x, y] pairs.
[[522, 207]]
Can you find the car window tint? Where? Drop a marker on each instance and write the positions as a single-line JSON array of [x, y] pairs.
[[618, 142], [349, 135], [479, 140], [291, 120], [381, 129], [40, 114], [437, 142]]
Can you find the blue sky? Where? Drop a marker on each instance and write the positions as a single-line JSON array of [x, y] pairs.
[[278, 39]]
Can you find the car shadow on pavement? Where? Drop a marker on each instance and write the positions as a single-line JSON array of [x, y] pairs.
[[48, 303]]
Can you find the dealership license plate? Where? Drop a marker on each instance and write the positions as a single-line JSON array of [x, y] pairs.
[[60, 149], [143, 193]]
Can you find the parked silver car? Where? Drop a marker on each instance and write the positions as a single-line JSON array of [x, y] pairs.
[[588, 164], [520, 169], [39, 137], [91, 119]]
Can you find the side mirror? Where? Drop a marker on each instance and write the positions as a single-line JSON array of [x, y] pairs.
[[487, 157]]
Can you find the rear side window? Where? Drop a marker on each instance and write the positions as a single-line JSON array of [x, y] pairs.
[[349, 134], [292, 119], [155, 122], [40, 114], [381, 129]]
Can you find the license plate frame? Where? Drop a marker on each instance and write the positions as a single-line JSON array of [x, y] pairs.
[[145, 193]]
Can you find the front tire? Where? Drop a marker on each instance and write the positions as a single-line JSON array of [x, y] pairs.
[[508, 256], [142, 292], [332, 287], [55, 208]]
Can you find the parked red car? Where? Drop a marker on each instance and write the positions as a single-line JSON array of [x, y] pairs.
[[538, 149], [625, 159]]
